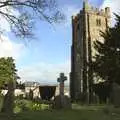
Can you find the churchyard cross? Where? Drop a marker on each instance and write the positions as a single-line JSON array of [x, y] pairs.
[[61, 81], [61, 100]]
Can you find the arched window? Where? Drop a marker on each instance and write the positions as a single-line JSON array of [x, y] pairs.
[[98, 22]]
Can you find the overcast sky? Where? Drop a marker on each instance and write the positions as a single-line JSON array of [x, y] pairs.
[[43, 58]]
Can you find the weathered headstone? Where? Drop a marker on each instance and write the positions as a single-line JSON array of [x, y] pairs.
[[116, 95], [62, 101], [31, 94]]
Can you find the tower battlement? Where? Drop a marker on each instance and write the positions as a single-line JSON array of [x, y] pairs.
[[93, 10], [103, 12], [88, 8]]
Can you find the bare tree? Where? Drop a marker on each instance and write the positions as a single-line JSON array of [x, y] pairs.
[[21, 14]]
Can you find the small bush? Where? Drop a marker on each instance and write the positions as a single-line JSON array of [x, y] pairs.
[[23, 105], [26, 105], [17, 109], [36, 107]]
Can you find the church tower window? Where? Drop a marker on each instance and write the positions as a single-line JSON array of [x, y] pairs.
[[98, 22]]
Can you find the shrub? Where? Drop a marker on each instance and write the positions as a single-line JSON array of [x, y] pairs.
[[36, 107], [26, 105], [23, 105]]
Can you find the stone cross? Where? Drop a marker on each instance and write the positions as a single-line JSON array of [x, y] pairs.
[[61, 80]]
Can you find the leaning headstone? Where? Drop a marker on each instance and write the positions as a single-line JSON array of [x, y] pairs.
[[116, 95], [62, 101]]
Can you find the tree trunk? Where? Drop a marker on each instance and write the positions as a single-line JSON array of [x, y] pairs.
[[8, 103]]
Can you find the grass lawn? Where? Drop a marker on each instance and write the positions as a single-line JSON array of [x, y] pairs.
[[82, 113]]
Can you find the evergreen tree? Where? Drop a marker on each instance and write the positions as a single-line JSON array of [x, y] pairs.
[[106, 62], [8, 76]]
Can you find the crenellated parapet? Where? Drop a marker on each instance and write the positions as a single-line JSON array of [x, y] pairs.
[[93, 10]]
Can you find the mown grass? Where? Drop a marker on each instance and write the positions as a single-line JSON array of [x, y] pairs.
[[83, 113]]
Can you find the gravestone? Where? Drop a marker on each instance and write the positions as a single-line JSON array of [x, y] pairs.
[[116, 95], [62, 101]]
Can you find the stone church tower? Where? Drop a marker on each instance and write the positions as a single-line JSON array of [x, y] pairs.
[[86, 27]]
